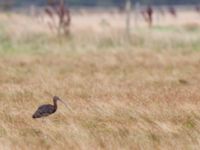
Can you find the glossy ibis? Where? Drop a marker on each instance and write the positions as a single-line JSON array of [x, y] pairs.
[[47, 109]]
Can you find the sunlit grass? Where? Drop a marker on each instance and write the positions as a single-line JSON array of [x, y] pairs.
[[141, 93]]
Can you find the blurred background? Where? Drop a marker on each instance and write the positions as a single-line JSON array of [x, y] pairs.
[[128, 69], [93, 3], [116, 13]]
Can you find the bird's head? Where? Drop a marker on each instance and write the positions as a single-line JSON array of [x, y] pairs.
[[56, 98]]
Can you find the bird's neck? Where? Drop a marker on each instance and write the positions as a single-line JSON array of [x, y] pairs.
[[55, 104]]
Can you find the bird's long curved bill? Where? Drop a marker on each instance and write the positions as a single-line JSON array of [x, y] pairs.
[[65, 104]]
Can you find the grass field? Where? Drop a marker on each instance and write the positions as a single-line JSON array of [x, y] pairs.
[[140, 93]]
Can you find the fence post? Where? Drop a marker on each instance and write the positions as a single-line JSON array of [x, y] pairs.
[[137, 13], [128, 17]]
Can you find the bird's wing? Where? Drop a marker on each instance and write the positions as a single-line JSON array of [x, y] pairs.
[[44, 110]]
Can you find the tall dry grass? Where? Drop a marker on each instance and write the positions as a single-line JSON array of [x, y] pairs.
[[136, 94]]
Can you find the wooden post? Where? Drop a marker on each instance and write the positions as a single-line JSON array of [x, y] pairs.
[[128, 17], [137, 12], [61, 16]]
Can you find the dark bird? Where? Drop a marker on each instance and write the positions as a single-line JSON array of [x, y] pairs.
[[47, 109]]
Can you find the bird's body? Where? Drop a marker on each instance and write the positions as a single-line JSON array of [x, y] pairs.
[[47, 109], [44, 110]]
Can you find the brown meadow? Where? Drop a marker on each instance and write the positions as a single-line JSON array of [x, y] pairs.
[[141, 93]]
